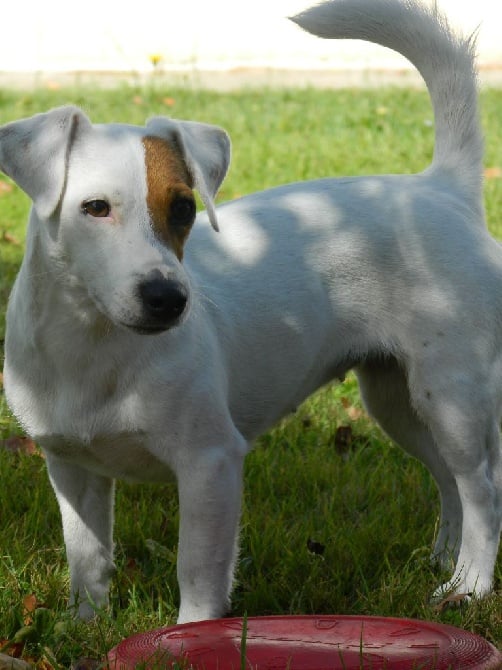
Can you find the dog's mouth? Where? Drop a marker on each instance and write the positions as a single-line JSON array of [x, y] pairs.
[[151, 326], [143, 329]]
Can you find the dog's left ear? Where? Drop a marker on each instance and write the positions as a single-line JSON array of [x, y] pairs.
[[34, 153], [205, 150]]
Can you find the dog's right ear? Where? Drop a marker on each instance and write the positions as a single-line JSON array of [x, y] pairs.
[[206, 151], [34, 153]]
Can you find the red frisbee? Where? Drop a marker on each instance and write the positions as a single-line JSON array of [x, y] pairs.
[[307, 643]]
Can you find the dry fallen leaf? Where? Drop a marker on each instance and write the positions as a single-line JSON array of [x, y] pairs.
[[11, 649], [453, 599], [30, 604], [11, 239], [43, 664], [354, 413], [493, 173], [5, 187], [132, 569], [20, 444]]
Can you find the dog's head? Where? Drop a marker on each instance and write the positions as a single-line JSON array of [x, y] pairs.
[[113, 205]]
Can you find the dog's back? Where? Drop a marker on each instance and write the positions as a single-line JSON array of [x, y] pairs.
[[372, 243]]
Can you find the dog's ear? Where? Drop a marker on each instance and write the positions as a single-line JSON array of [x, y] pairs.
[[205, 150], [34, 153]]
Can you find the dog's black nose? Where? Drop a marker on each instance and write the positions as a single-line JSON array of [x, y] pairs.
[[164, 301]]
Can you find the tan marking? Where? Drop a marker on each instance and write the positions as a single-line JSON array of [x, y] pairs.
[[167, 177]]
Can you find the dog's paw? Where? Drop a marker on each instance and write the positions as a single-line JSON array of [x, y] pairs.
[[465, 585]]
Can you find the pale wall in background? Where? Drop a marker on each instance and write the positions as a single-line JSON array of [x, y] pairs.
[[116, 35]]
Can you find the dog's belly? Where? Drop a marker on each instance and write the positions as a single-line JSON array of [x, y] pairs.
[[119, 456]]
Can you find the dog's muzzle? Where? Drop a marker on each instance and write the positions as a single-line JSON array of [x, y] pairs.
[[163, 301]]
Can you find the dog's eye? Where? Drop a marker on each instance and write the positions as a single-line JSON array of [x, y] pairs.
[[182, 212], [96, 208]]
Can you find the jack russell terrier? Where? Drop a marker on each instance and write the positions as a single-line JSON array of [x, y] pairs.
[[131, 353]]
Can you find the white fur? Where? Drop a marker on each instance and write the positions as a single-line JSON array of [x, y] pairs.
[[394, 276]]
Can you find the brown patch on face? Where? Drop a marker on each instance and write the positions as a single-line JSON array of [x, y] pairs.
[[169, 193]]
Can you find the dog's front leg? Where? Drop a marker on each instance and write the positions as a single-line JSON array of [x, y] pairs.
[[210, 487], [86, 504]]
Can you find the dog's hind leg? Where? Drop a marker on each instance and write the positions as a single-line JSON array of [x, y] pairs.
[[459, 408], [86, 504], [384, 390]]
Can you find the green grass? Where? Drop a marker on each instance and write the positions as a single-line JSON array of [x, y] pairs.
[[372, 511]]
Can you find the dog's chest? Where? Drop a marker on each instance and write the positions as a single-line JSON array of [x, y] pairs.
[[118, 455], [97, 426]]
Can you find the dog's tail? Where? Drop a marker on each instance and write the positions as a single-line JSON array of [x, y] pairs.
[[445, 60]]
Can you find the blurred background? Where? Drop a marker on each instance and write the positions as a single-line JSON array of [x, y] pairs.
[[189, 36]]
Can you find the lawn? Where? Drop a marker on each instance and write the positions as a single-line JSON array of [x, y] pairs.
[[330, 525]]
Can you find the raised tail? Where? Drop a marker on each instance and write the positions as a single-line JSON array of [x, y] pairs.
[[445, 60]]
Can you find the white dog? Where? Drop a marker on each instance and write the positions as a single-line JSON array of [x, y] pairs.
[[128, 356]]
